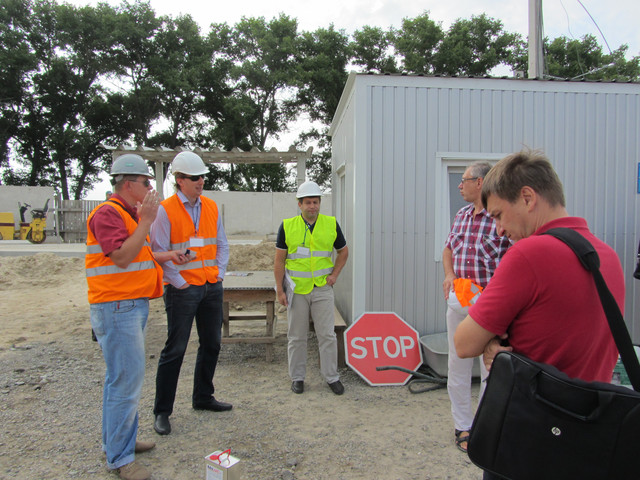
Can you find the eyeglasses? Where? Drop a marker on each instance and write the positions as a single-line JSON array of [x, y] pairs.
[[194, 178], [462, 180], [146, 182]]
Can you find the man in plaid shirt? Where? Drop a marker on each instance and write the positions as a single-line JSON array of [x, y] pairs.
[[472, 251]]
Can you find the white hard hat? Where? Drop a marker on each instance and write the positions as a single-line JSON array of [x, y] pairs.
[[309, 189], [130, 164], [188, 163]]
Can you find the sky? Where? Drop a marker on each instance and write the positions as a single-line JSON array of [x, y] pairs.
[[616, 19]]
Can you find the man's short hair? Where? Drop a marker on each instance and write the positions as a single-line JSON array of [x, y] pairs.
[[527, 168], [176, 176], [479, 169]]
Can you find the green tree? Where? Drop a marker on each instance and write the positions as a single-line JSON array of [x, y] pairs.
[[74, 78], [474, 47], [57, 137], [85, 44], [179, 66], [584, 58], [263, 76], [16, 60], [46, 109], [371, 49], [134, 45], [417, 43], [323, 56]]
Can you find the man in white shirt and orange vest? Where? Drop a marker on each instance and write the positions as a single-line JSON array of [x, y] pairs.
[[122, 276], [303, 249], [187, 221]]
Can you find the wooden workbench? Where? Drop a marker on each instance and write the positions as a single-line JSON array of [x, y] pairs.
[[256, 286]]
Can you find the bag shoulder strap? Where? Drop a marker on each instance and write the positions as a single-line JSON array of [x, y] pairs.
[[111, 200], [590, 260]]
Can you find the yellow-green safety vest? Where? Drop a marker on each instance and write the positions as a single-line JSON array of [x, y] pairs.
[[309, 269]]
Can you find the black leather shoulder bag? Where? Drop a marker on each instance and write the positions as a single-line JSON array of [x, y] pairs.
[[536, 423]]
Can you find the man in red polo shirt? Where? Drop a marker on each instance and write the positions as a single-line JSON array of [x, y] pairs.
[[122, 276], [540, 295]]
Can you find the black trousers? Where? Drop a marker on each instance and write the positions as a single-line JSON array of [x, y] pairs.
[[204, 303]]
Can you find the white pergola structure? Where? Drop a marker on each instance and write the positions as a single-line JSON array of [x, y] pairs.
[[163, 155]]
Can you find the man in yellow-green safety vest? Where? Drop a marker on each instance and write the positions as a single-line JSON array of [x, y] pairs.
[[303, 264]]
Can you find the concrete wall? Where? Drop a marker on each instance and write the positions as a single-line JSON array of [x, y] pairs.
[[34, 196], [257, 213], [244, 213]]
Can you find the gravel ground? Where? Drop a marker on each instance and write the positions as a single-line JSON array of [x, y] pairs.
[[51, 377]]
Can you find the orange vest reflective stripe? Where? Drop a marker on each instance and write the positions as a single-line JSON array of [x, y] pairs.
[[109, 283], [204, 268], [466, 291]]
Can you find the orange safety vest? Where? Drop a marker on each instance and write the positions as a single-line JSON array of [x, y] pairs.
[[466, 291], [204, 268], [142, 278]]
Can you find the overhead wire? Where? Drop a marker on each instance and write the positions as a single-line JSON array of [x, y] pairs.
[[596, 24], [573, 37]]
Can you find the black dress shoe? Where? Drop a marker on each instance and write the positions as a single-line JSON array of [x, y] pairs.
[[162, 425], [337, 387], [213, 405], [297, 386]]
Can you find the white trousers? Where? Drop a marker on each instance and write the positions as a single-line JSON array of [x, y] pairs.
[[459, 375], [318, 305]]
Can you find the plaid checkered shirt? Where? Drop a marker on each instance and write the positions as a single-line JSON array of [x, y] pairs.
[[475, 245]]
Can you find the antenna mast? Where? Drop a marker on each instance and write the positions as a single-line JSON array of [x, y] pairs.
[[536, 57]]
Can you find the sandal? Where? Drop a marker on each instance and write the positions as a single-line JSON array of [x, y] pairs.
[[462, 436]]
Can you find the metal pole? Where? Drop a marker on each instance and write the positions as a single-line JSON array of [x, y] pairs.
[[536, 56]]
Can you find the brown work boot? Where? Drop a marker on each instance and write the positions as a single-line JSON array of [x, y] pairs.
[[143, 446], [134, 471], [140, 447]]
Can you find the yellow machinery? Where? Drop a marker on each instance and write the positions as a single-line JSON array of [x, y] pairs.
[[7, 228], [34, 231]]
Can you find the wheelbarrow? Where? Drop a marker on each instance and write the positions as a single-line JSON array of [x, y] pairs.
[[419, 378]]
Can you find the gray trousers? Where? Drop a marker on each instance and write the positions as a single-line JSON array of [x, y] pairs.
[[318, 305]]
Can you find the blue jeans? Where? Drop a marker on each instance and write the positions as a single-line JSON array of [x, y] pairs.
[[204, 302], [120, 328]]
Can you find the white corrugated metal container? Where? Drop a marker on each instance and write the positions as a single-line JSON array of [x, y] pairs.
[[400, 143]]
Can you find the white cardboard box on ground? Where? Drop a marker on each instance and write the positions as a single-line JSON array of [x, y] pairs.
[[226, 470]]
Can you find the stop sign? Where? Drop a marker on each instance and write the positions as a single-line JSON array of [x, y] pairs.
[[382, 339]]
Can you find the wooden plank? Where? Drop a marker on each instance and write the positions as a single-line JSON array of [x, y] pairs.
[[337, 318], [265, 340], [249, 295], [247, 316]]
